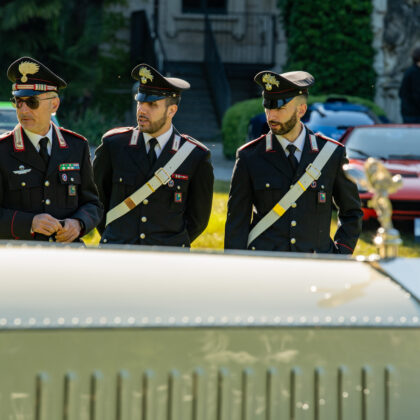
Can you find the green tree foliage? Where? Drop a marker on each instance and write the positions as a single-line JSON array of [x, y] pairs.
[[77, 39], [331, 39]]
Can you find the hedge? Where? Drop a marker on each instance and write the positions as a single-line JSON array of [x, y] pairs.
[[236, 119]]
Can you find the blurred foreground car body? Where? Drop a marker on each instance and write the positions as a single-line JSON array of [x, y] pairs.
[[398, 146], [331, 118], [8, 119], [125, 334]]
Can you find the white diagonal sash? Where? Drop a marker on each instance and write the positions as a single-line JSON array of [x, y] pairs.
[[312, 173], [161, 177]]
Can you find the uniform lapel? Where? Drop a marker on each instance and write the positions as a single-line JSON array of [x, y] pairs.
[[138, 155], [276, 156], [58, 155], [29, 154]]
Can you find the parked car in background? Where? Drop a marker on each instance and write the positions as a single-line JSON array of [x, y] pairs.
[[8, 119], [398, 146], [331, 118]]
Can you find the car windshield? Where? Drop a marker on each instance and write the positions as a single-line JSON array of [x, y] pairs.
[[8, 119], [384, 142]]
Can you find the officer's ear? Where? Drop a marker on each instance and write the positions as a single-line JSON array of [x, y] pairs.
[[301, 109], [55, 104], [171, 111]]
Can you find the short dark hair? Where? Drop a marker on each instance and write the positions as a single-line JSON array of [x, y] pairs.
[[173, 100], [416, 55]]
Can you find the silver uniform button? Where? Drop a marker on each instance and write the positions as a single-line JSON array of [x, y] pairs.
[[47, 183], [294, 205], [47, 201], [71, 179], [253, 248], [23, 184], [120, 179], [144, 219], [178, 187], [293, 223], [105, 241], [145, 202], [142, 235], [50, 239], [293, 241], [267, 185]]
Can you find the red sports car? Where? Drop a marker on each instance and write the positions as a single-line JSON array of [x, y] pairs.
[[398, 146]]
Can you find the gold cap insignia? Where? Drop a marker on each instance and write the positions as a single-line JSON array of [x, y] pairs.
[[27, 67], [145, 75], [269, 81]]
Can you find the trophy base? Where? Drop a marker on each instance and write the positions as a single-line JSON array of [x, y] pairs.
[[387, 242]]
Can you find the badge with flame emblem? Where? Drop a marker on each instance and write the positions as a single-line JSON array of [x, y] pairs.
[[27, 67], [269, 81], [145, 75]]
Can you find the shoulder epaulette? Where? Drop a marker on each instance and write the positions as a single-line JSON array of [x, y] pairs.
[[72, 132], [196, 142], [251, 142], [5, 135], [322, 136], [117, 130]]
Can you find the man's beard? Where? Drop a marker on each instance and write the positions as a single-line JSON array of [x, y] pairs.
[[155, 126], [286, 127]]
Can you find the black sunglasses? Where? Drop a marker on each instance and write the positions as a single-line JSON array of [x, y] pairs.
[[32, 102]]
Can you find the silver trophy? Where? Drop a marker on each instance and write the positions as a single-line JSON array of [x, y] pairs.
[[377, 179]]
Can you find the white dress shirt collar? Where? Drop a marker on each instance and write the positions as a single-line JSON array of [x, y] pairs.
[[299, 143], [35, 138], [162, 140]]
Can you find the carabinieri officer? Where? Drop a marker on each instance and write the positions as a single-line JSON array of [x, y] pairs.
[[46, 182], [156, 184], [286, 183]]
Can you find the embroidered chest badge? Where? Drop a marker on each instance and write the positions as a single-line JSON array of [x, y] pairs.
[[72, 190], [178, 197], [68, 167]]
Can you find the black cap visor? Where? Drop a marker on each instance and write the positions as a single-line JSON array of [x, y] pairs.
[[27, 92], [153, 96], [270, 103]]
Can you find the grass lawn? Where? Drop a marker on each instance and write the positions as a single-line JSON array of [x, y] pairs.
[[213, 236]]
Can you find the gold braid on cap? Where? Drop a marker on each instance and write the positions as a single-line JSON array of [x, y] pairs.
[[145, 75], [27, 67], [269, 81]]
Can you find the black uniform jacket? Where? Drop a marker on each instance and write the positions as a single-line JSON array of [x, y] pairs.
[[64, 189], [175, 214], [262, 176]]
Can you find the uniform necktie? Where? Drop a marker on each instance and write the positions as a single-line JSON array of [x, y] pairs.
[[292, 158], [152, 154], [43, 150]]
